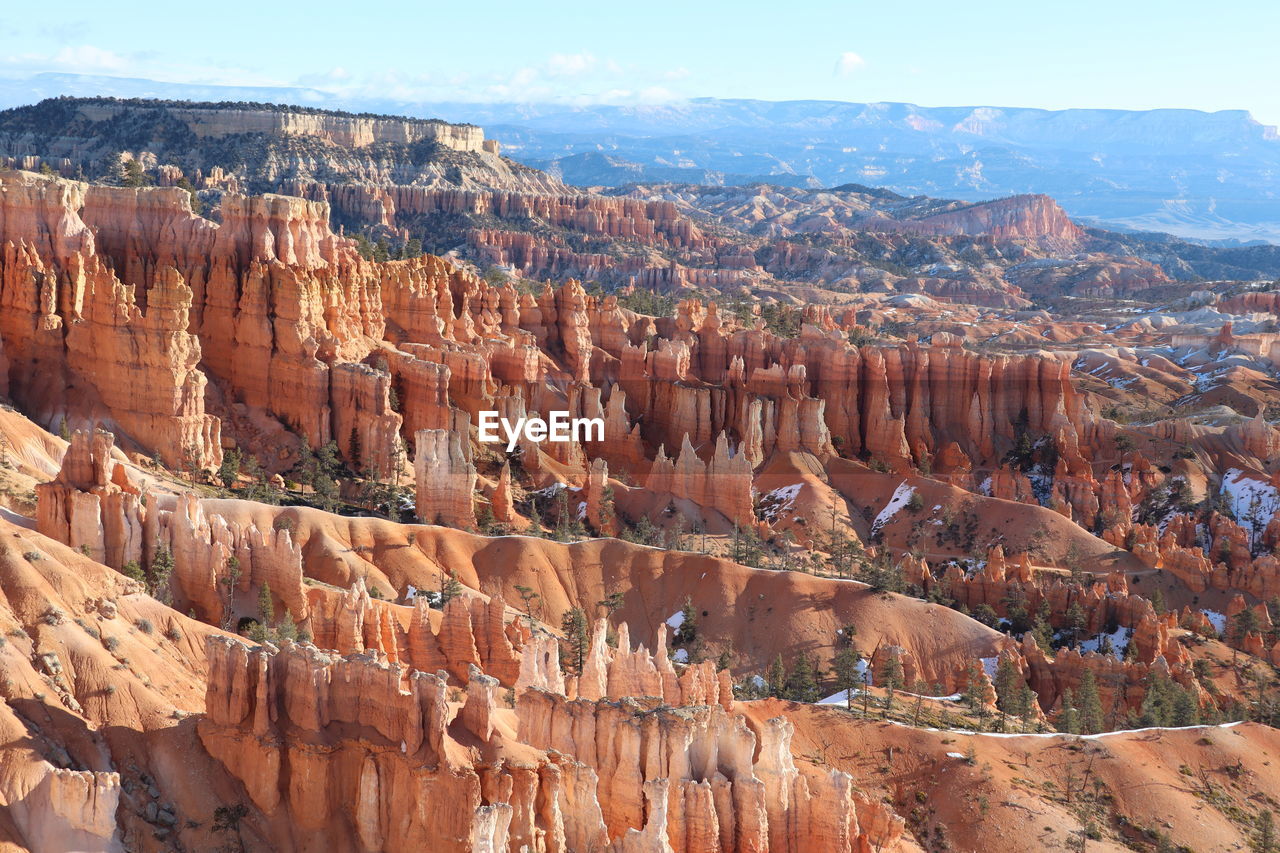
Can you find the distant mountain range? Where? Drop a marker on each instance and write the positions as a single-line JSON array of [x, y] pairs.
[[1204, 176]]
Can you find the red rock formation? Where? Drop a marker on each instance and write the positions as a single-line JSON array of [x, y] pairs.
[[445, 479], [92, 505], [1121, 684], [83, 344], [723, 484], [600, 515], [1034, 219], [268, 714]]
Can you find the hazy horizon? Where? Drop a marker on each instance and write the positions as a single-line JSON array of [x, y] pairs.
[[1100, 56]]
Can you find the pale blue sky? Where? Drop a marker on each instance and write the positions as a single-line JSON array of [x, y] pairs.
[[1129, 54]]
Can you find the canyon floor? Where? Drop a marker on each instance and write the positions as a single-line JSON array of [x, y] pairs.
[[914, 524]]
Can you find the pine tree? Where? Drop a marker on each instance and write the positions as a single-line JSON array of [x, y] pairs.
[[1069, 719], [1091, 721], [986, 614], [1027, 707], [484, 518], [574, 625], [1244, 623], [688, 630], [1264, 836], [527, 597], [1186, 712], [1076, 621], [891, 678], [535, 521], [287, 629], [610, 603], [975, 691], [450, 588], [266, 608], [1009, 688], [802, 682], [777, 678], [161, 568], [355, 453], [133, 571], [1042, 632], [845, 666], [229, 583], [230, 467], [1130, 651], [608, 513]]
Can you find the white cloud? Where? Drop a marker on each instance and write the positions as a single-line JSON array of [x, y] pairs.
[[80, 59], [575, 78], [848, 63], [86, 57], [570, 64]]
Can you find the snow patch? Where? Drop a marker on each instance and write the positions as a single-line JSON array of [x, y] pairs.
[[778, 501], [1119, 642], [1253, 502], [901, 497]]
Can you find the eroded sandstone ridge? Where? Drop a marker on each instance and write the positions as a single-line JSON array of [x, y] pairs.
[[553, 774], [839, 524]]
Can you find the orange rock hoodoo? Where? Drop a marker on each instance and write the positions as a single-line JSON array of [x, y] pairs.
[[284, 318], [571, 775]]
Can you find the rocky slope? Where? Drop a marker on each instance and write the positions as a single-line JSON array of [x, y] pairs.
[[1025, 519], [447, 188]]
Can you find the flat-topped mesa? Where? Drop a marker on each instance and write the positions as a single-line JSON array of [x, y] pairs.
[[348, 131], [1036, 219]]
